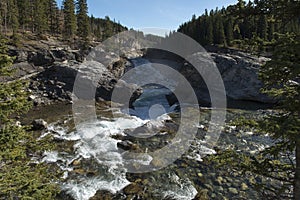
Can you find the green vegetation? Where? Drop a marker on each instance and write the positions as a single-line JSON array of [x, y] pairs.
[[83, 20], [20, 176], [281, 77], [250, 26], [44, 17], [69, 19]]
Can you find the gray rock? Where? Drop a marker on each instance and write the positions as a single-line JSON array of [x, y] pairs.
[[233, 190], [32, 97], [41, 58], [53, 70], [62, 54], [239, 74], [127, 145], [39, 124]]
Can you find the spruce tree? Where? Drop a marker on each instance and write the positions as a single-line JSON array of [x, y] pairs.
[[24, 13], [271, 31], [13, 15], [210, 31], [4, 15], [108, 30], [40, 16], [219, 35], [262, 27], [83, 22], [281, 78], [52, 13], [229, 31], [69, 19]]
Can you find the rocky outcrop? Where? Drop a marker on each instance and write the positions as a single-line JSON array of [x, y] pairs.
[[240, 76], [239, 72], [57, 82], [52, 68]]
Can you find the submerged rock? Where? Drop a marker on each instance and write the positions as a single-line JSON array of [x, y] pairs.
[[133, 188]]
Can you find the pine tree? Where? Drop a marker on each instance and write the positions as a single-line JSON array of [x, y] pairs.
[[24, 13], [229, 31], [83, 23], [210, 31], [271, 31], [69, 19], [281, 78], [281, 81], [52, 12], [219, 35], [40, 16], [13, 15], [4, 15], [262, 27], [108, 31]]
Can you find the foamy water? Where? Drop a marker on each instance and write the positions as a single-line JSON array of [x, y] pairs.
[[95, 144]]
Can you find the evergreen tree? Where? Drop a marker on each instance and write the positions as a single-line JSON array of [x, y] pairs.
[[229, 31], [210, 31], [83, 23], [108, 31], [281, 81], [40, 16], [69, 19], [219, 35], [271, 31], [281, 78], [262, 27], [13, 15], [4, 15], [24, 13], [52, 12]]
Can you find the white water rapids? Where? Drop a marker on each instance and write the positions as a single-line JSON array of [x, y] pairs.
[[94, 142]]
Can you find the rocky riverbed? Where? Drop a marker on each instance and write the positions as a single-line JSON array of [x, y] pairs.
[[92, 170], [92, 156]]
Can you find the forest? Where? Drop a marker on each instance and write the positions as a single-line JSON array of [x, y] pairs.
[[255, 25], [45, 17]]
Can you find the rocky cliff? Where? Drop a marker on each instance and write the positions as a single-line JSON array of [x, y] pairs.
[[239, 73], [52, 67]]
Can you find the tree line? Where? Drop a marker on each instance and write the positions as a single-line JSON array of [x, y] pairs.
[[240, 24], [45, 17]]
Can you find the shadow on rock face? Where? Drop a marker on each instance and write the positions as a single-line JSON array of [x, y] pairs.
[[58, 83]]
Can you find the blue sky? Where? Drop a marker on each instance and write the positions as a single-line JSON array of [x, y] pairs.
[[165, 14]]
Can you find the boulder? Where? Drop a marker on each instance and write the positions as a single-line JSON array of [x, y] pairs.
[[20, 55], [40, 58], [39, 124], [61, 55], [127, 145]]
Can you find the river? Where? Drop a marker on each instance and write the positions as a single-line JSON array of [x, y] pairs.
[[92, 156]]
